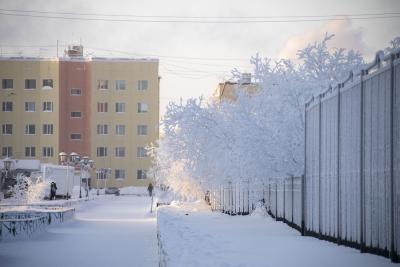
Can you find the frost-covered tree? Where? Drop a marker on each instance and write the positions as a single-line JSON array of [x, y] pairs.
[[394, 44], [255, 137], [27, 190]]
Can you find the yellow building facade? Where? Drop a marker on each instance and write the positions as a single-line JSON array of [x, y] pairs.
[[111, 112], [29, 115]]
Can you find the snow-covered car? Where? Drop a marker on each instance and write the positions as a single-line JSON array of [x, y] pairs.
[[112, 191]]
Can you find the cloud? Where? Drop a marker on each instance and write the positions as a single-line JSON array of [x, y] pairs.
[[346, 36]]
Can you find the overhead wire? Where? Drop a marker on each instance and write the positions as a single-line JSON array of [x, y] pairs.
[[200, 17], [202, 20]]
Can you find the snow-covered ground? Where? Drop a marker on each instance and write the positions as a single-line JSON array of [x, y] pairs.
[[192, 235], [107, 231]]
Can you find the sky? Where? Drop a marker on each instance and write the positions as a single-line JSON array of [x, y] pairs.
[[195, 57]]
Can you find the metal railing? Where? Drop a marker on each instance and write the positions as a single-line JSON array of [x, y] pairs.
[[21, 224]]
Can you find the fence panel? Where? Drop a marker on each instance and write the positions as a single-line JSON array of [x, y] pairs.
[[396, 156], [328, 170], [349, 162], [312, 167], [297, 201]]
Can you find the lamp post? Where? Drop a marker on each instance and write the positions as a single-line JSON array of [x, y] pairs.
[[86, 165], [69, 160]]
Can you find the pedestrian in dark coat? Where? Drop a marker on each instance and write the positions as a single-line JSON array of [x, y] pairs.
[[150, 189], [53, 190]]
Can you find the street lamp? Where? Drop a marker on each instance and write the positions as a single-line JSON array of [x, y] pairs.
[[86, 165], [69, 160]]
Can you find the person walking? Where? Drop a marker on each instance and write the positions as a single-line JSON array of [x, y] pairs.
[[150, 189], [53, 190]]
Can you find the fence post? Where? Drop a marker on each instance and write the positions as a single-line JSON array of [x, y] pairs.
[[276, 200], [248, 197], [269, 195], [303, 204], [319, 167], [303, 177], [284, 199], [392, 253], [292, 198], [362, 241], [338, 197]]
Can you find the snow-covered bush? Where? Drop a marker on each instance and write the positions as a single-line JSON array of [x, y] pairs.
[[255, 137], [27, 191]]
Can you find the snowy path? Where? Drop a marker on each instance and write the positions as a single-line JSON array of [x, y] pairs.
[[111, 231], [194, 236]]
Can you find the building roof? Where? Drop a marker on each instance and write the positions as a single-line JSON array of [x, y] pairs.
[[116, 59]]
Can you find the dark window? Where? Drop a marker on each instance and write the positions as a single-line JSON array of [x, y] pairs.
[[76, 114], [8, 83], [47, 128], [47, 151], [7, 128], [30, 84], [102, 152], [47, 83], [76, 136], [76, 91], [30, 151], [7, 106], [7, 151], [141, 174]]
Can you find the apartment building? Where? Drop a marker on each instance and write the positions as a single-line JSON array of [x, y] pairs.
[[104, 108], [228, 91]]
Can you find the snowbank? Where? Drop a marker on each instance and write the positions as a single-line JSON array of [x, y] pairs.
[[134, 190]]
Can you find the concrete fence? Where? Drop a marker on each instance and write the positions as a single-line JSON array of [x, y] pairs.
[[352, 160]]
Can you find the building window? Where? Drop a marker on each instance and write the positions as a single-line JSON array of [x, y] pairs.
[[47, 129], [102, 151], [47, 151], [30, 151], [142, 130], [102, 107], [101, 175], [48, 106], [7, 151], [75, 136], [119, 174], [30, 129], [76, 114], [141, 152], [142, 107], [120, 107], [30, 106], [76, 92], [120, 152], [47, 84], [120, 85], [7, 83], [102, 129], [30, 84], [143, 85], [141, 174], [120, 129], [7, 128], [7, 106], [102, 84]]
